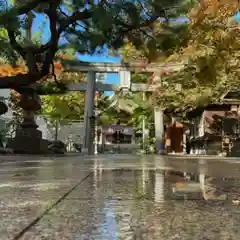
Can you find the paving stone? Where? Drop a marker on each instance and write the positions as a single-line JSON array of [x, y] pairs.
[[28, 188], [121, 197]]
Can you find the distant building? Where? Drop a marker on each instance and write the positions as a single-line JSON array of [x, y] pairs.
[[117, 134], [215, 128]]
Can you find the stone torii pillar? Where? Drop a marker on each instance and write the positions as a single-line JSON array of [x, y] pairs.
[[159, 122], [159, 130], [89, 114]]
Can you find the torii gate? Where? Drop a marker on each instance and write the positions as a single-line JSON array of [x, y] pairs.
[[124, 71]]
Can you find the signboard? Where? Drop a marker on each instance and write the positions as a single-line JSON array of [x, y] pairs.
[[125, 79], [100, 77], [118, 128]]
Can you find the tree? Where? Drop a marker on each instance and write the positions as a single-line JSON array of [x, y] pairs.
[[59, 110], [207, 46], [208, 53], [7, 54], [56, 85], [208, 10], [88, 26], [142, 111], [63, 105], [64, 108], [168, 37], [210, 60]]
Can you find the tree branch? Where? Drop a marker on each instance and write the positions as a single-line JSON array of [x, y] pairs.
[[15, 45], [42, 49], [130, 27], [52, 45], [22, 9], [18, 81], [55, 35], [77, 16], [31, 62]]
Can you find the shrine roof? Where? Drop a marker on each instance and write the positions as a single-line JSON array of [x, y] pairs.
[[232, 96]]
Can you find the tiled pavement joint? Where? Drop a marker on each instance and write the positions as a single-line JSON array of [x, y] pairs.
[[37, 219]]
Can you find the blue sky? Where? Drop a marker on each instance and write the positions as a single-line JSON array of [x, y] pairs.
[[237, 16], [111, 78]]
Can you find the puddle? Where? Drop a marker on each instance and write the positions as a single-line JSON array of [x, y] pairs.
[[161, 204], [164, 185]]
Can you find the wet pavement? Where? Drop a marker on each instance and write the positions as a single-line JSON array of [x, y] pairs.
[[112, 197]]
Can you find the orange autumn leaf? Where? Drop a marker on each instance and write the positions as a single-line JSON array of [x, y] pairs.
[[58, 65], [6, 70], [64, 56], [218, 9]]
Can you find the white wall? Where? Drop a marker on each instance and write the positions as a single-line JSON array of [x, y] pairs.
[[74, 130]]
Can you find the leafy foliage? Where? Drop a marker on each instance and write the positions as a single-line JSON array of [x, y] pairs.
[[208, 10], [64, 107], [114, 109], [170, 35], [210, 65], [143, 110], [7, 54], [86, 26], [207, 48], [61, 105]]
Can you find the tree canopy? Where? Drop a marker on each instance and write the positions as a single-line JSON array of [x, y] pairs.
[[207, 46], [88, 26], [210, 59], [202, 35], [64, 107]]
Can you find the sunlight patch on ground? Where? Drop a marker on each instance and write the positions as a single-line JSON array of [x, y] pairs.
[[35, 187], [28, 204]]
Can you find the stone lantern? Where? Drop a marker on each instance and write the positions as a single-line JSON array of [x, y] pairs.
[[28, 138]]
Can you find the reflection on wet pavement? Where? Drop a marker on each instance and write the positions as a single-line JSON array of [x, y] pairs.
[[121, 198], [141, 205]]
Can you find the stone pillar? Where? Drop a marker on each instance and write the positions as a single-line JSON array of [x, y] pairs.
[[159, 130], [184, 142], [101, 140], [144, 126], [89, 113], [125, 80], [29, 119]]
